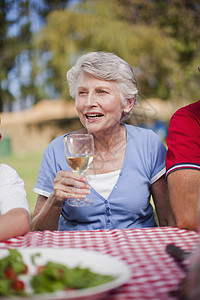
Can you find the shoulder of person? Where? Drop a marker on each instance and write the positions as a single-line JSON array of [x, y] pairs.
[[7, 169], [8, 173], [191, 110], [141, 131], [187, 118]]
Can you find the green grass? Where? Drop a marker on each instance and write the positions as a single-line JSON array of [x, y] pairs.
[[27, 166]]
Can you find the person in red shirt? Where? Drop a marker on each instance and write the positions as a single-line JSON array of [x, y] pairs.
[[183, 165]]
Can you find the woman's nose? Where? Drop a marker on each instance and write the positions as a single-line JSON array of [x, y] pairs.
[[91, 100]]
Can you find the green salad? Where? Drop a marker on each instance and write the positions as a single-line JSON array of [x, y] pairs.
[[50, 277]]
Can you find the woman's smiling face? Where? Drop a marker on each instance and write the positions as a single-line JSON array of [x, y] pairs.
[[98, 103]]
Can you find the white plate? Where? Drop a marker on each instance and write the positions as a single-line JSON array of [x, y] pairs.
[[97, 262]]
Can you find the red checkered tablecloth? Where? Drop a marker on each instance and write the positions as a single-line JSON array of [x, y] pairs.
[[154, 272]]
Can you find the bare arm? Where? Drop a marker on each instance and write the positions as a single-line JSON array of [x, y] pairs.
[[162, 204], [47, 211], [14, 223], [46, 214], [184, 191]]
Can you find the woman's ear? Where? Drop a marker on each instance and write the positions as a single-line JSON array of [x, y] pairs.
[[129, 105]]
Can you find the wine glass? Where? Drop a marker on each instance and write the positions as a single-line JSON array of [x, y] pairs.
[[79, 151]]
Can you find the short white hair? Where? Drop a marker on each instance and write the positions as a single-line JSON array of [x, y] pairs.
[[105, 66]]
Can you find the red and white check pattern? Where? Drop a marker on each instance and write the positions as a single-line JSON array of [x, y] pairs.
[[154, 272]]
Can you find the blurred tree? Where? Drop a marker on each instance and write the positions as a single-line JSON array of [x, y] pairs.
[[6, 58], [101, 26], [178, 19], [160, 39], [18, 20]]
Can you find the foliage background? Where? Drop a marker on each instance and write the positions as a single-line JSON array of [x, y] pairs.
[[159, 38]]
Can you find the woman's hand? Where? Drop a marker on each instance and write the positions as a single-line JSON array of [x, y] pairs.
[[68, 184], [47, 210]]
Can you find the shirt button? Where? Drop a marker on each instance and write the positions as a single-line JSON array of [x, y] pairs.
[[108, 221], [115, 187], [108, 214], [107, 208], [106, 201]]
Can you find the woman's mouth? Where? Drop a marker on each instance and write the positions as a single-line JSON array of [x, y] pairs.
[[93, 116]]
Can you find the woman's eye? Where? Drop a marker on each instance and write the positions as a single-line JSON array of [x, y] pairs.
[[81, 92], [101, 91]]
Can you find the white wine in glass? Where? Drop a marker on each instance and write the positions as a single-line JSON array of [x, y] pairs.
[[79, 151]]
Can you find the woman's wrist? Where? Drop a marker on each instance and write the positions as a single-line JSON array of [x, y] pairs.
[[54, 202]]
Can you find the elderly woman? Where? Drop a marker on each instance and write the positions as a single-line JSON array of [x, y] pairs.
[[128, 165]]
